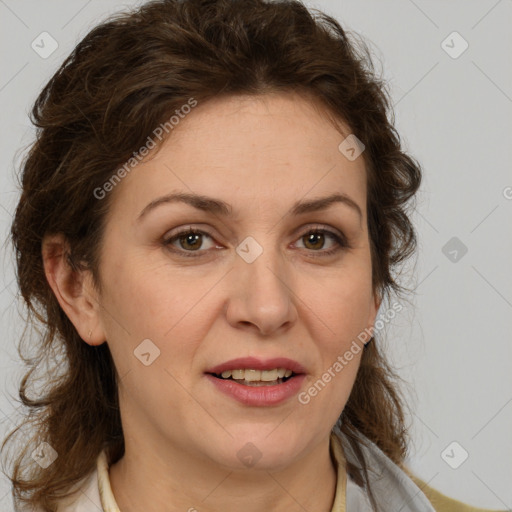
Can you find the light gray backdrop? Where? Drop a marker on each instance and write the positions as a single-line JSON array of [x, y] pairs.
[[448, 64]]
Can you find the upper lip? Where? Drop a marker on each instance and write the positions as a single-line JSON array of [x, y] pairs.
[[255, 363]]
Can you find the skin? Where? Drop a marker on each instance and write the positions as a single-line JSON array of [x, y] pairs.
[[260, 155]]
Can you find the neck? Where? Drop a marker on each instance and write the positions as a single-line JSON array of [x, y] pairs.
[[140, 481]]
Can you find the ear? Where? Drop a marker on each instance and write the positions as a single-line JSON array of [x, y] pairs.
[[73, 289]]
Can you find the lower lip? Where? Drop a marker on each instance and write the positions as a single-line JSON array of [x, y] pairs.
[[260, 395]]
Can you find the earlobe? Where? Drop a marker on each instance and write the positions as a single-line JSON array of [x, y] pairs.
[[72, 289]]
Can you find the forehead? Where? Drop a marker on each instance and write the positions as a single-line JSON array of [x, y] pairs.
[[286, 124], [262, 151]]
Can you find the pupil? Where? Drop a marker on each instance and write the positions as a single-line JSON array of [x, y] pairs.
[[312, 236], [191, 236]]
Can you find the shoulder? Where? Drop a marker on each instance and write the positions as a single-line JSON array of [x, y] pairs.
[[444, 503], [396, 487], [85, 498], [92, 493]]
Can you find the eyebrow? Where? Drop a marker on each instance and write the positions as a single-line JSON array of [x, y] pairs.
[[219, 207]]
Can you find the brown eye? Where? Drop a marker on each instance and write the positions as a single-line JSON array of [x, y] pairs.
[[192, 240], [315, 240], [189, 241]]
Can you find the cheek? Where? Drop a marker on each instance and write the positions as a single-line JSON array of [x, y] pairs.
[[153, 333], [343, 304], [153, 302], [149, 297]]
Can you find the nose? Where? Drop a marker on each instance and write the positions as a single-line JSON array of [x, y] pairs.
[[261, 295]]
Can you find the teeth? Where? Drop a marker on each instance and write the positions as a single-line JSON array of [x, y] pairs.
[[268, 375], [260, 383], [257, 375], [252, 375]]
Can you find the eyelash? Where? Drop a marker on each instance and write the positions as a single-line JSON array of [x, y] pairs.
[[340, 241]]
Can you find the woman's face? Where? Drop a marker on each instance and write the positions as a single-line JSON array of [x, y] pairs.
[[254, 283]]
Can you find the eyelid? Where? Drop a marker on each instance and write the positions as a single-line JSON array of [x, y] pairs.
[[338, 236]]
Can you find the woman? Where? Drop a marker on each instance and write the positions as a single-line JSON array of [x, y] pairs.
[[209, 223]]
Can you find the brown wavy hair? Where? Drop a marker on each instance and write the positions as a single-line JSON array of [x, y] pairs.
[[120, 82]]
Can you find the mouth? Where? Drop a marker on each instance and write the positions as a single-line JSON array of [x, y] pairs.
[[257, 378], [256, 372], [257, 388]]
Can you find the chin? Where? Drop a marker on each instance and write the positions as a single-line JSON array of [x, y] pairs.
[[257, 450]]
